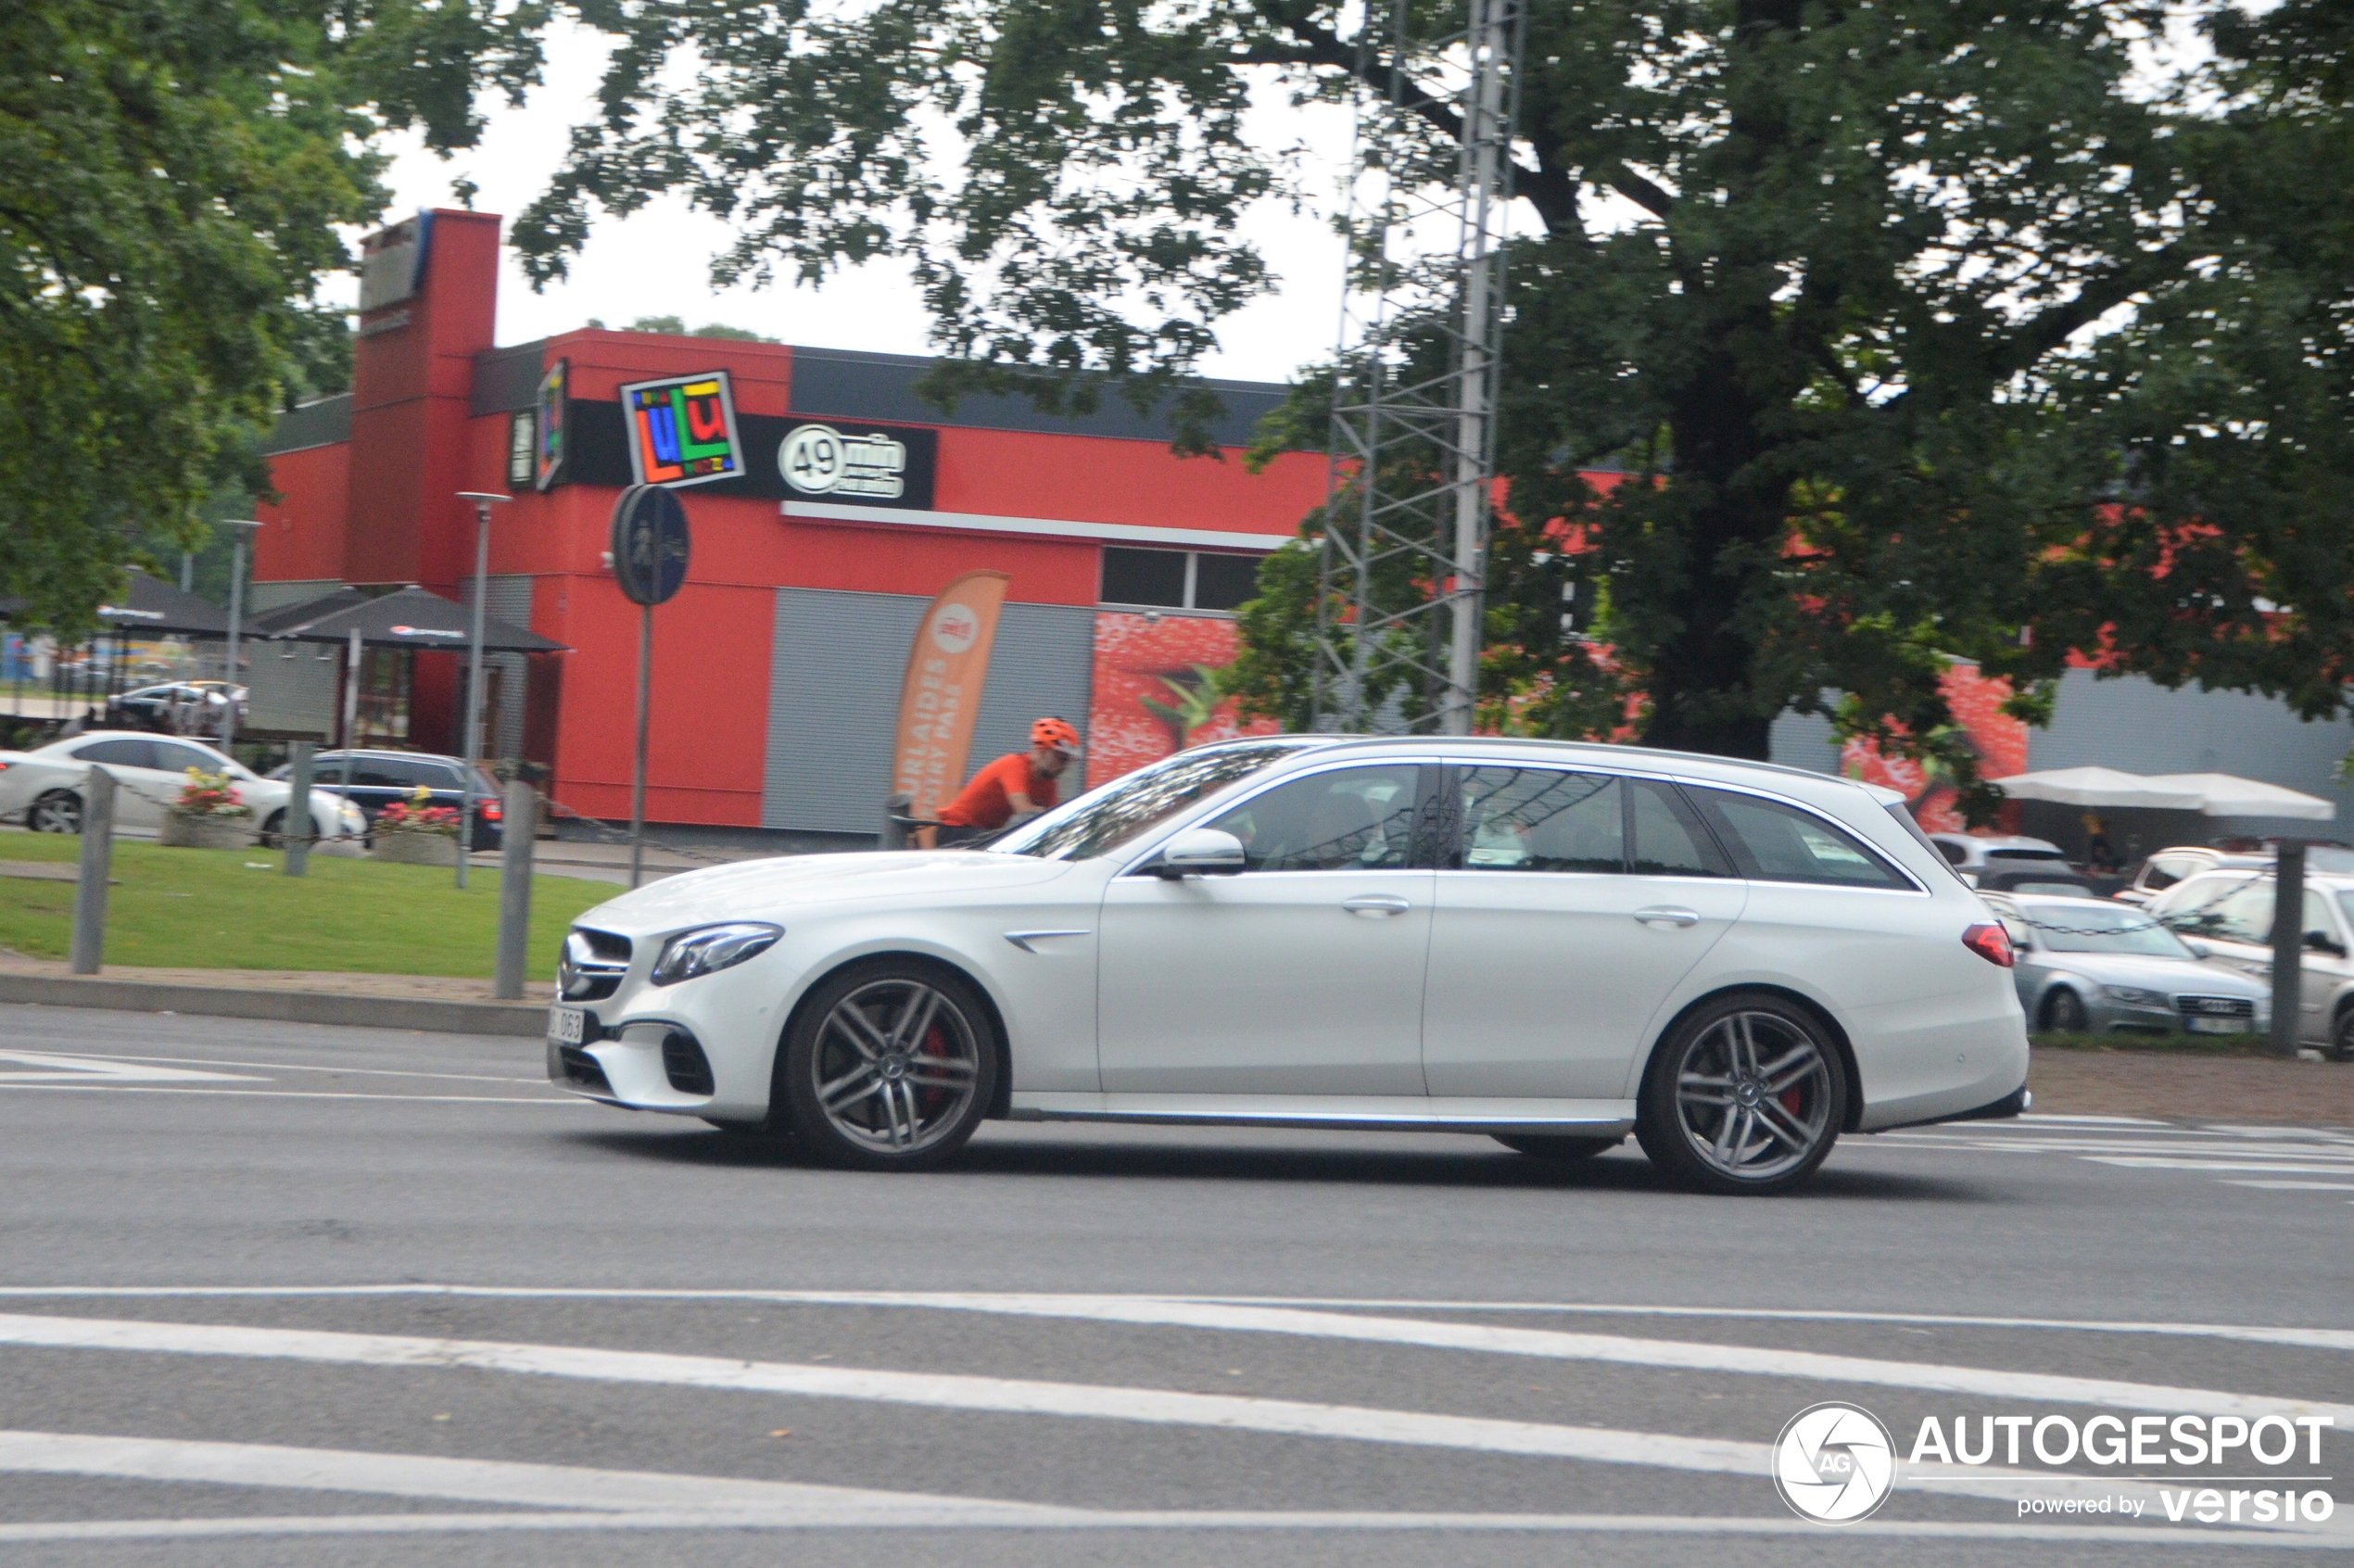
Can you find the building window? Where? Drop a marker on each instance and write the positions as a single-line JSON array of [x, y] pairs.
[[1179, 579]]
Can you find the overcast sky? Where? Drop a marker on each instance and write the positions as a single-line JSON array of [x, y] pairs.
[[656, 262]]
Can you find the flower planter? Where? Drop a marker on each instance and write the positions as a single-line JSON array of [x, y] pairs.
[[415, 849], [192, 830]]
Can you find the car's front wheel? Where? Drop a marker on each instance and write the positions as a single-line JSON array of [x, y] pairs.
[[2064, 1012], [2342, 1045], [890, 1066], [60, 811], [1747, 1094]]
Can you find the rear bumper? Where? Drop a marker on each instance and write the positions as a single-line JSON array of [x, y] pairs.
[[2009, 1106]]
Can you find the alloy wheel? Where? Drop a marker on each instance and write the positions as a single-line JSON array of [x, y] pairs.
[[895, 1067], [57, 812], [1755, 1098]]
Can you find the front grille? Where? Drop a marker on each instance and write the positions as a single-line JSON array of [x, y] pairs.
[[2217, 1006], [684, 1064], [592, 965]]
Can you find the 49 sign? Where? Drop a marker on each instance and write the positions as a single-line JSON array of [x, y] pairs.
[[818, 459]]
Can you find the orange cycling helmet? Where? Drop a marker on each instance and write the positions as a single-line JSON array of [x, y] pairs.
[[1056, 733]]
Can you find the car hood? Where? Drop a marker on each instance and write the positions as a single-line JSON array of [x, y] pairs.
[[751, 890], [2176, 977]]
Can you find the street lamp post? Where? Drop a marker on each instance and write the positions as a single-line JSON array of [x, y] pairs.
[[483, 502], [236, 624]]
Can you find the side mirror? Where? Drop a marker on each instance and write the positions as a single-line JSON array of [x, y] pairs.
[[2198, 949], [1203, 851], [2321, 942]]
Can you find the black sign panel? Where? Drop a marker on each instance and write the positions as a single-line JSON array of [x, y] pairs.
[[648, 544], [808, 458]]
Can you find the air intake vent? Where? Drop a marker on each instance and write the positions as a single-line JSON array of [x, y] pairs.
[[684, 1064]]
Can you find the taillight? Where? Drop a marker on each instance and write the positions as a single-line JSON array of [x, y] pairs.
[[490, 810], [1991, 942]]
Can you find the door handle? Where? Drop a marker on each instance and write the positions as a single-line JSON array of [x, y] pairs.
[[1666, 914], [1375, 904]]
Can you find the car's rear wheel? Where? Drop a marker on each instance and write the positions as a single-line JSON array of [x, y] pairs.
[[1554, 1145], [1746, 1095], [2064, 1012], [60, 811], [2342, 1042], [890, 1066], [273, 830]]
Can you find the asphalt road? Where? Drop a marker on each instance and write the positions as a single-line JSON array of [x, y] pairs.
[[278, 1294]]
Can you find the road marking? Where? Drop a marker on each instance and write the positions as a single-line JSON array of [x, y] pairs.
[[51, 1067], [1026, 1397], [7, 1080], [2308, 1338], [2296, 1186], [2157, 1162], [301, 1066], [621, 1499]]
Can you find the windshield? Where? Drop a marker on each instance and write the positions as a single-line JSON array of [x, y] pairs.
[[2097, 928], [1102, 820]]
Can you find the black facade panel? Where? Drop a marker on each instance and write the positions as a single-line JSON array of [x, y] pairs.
[[314, 425], [854, 385], [506, 380]]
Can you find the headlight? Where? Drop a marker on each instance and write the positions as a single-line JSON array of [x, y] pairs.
[[712, 949], [2135, 994]]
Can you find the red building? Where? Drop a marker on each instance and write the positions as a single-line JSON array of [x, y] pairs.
[[777, 668]]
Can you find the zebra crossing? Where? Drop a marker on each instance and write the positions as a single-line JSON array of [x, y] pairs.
[[2263, 1156]]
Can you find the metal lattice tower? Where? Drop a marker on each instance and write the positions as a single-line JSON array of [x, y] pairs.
[[1413, 435]]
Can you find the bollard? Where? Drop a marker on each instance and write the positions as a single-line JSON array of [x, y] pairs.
[[2288, 945], [97, 862], [894, 836], [295, 832], [518, 832]]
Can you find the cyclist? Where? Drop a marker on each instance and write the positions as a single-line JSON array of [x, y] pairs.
[[1015, 787]]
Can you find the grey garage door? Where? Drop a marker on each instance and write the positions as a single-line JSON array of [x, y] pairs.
[[833, 697]]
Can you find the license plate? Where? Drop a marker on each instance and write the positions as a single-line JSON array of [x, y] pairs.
[[2218, 1026], [564, 1024]]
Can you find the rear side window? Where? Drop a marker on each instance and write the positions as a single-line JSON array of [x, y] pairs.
[[1773, 843], [119, 754]]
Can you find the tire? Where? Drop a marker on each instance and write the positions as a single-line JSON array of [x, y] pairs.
[[60, 811], [2342, 1042], [1746, 1095], [889, 1066], [2064, 1012], [273, 833], [1557, 1146]]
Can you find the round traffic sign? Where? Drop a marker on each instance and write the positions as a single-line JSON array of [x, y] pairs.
[[648, 544]]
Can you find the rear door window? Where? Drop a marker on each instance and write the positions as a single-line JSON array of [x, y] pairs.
[[1669, 837], [1773, 843]]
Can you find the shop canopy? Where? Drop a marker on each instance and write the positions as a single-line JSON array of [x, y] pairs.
[[2210, 794], [148, 607], [410, 618]]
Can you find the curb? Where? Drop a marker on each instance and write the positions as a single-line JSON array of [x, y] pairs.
[[527, 1019]]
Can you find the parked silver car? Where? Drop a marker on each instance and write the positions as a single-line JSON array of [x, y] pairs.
[[2087, 967], [2165, 867], [1980, 856], [2232, 913]]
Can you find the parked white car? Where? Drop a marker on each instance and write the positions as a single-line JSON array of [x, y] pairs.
[[44, 787], [2230, 914], [1552, 944]]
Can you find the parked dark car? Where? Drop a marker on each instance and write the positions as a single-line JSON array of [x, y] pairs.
[[379, 778], [2057, 881]]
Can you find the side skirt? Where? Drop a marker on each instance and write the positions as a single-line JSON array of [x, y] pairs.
[[1364, 1112]]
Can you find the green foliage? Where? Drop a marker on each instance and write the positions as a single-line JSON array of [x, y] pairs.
[[1826, 284], [171, 176], [677, 327]]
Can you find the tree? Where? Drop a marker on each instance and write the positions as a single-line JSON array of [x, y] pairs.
[[676, 326], [172, 176], [1835, 287]]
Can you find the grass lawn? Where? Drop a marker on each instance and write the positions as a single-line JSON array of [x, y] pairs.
[[206, 909]]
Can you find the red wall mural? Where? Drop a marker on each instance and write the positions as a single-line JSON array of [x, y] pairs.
[[1149, 699], [2000, 739]]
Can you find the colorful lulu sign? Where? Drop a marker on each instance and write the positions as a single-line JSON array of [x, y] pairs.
[[683, 430], [554, 418]]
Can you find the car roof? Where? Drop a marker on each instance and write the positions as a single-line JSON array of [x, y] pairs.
[[1693, 765]]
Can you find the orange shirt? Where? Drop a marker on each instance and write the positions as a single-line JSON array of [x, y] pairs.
[[985, 803]]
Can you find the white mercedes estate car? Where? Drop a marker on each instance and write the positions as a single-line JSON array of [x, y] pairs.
[[1552, 944]]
